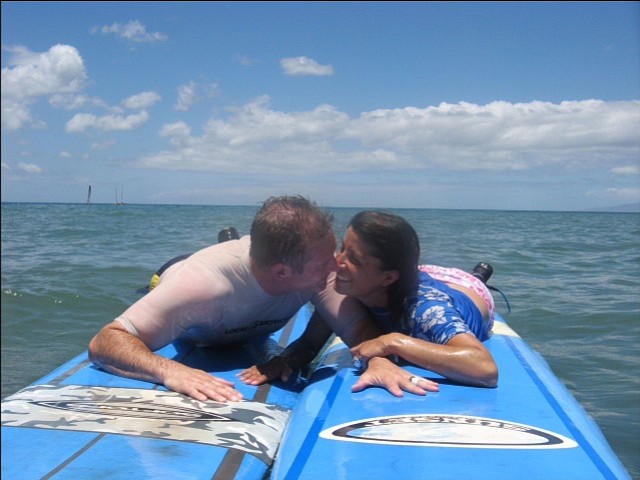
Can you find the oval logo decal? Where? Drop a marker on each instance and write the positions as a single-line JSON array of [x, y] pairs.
[[447, 431]]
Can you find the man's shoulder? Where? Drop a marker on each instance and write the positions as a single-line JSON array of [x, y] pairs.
[[220, 268], [238, 247]]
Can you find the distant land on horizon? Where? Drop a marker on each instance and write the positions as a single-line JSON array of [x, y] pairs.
[[624, 208]]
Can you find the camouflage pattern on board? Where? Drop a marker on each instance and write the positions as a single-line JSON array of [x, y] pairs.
[[252, 427]]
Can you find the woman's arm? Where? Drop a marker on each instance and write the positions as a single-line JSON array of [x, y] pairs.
[[298, 354], [464, 358]]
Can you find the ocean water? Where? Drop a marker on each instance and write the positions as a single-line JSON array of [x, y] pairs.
[[572, 281]]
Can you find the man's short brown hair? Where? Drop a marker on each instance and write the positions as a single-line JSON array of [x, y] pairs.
[[284, 228]]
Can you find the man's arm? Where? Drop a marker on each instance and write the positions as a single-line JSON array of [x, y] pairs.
[[119, 352]]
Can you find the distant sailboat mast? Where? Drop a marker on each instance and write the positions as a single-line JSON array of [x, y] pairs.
[[121, 202], [89, 195]]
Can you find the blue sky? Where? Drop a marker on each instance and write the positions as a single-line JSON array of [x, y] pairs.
[[496, 105]]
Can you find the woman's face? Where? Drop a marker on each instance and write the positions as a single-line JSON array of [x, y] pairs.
[[360, 274]]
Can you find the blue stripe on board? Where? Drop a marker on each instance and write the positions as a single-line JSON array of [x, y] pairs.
[[577, 434], [314, 432]]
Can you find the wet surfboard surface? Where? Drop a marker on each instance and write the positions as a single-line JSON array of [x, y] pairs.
[[530, 426], [82, 422]]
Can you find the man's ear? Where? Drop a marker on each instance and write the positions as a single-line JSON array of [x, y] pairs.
[[281, 271], [390, 277]]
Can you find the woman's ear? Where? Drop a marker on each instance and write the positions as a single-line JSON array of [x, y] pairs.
[[390, 277]]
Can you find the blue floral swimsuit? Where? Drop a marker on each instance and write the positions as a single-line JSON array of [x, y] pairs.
[[436, 313]]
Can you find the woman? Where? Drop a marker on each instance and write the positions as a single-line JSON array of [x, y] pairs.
[[433, 317]]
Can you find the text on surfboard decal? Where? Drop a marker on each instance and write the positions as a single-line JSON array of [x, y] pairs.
[[447, 431]]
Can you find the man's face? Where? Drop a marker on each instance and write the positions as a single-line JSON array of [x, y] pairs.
[[320, 263]]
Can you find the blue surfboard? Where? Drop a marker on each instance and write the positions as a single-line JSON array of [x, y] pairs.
[[529, 426], [82, 422]]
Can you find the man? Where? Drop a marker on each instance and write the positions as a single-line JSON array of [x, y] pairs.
[[230, 292], [224, 235]]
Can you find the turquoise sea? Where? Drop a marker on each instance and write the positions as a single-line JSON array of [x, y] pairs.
[[572, 280]]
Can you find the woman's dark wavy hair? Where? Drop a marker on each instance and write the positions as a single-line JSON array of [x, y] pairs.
[[393, 241], [284, 228]]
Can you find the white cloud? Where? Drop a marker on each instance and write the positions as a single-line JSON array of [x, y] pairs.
[[15, 114], [30, 75], [303, 66], [70, 102], [499, 136], [82, 121], [626, 170], [132, 31], [187, 96], [245, 60], [103, 145], [141, 101], [179, 133], [75, 102], [29, 168], [65, 154], [624, 193], [193, 92]]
